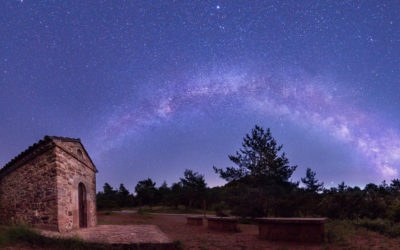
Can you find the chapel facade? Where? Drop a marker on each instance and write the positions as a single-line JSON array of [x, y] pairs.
[[51, 185]]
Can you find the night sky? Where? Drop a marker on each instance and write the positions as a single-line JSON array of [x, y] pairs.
[[155, 87]]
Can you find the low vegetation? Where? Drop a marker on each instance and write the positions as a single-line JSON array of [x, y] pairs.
[[385, 227], [25, 237]]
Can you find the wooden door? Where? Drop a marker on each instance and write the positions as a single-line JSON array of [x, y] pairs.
[[82, 205]]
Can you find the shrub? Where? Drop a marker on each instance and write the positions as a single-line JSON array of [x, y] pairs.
[[178, 244], [220, 209], [338, 231], [377, 225], [394, 231], [394, 212], [381, 226]]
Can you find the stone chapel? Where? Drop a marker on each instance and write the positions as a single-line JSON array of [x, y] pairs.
[[51, 185]]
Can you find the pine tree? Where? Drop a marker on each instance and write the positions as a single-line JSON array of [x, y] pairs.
[[311, 182], [193, 187], [145, 191], [259, 156]]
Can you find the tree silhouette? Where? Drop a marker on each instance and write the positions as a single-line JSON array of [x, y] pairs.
[[311, 182], [108, 190], [107, 198], [122, 190], [259, 156], [123, 196], [163, 193], [193, 187], [145, 192]]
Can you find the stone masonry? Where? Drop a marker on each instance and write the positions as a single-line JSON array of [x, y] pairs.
[[40, 187]]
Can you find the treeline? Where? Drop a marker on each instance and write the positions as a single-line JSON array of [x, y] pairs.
[[190, 192], [259, 185]]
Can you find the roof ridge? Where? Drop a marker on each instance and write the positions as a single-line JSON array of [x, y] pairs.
[[34, 146], [63, 138]]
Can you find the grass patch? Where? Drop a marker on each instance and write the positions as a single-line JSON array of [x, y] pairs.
[[247, 221], [142, 213], [394, 231], [339, 231], [109, 213], [22, 236], [342, 231], [173, 210], [381, 226], [378, 225]]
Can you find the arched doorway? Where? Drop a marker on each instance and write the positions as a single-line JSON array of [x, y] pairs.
[[82, 205]]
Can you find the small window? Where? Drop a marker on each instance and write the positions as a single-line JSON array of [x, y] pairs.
[[80, 153]]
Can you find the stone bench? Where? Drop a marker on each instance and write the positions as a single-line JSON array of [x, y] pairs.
[[194, 220], [292, 229], [223, 223]]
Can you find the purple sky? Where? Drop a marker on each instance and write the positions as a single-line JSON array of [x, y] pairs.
[[154, 88]]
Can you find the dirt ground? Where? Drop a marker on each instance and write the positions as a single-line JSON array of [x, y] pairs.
[[199, 237]]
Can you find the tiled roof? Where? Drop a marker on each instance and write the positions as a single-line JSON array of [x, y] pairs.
[[63, 138], [42, 144], [67, 139]]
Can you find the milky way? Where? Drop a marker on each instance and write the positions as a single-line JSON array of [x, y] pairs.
[[303, 101], [155, 87]]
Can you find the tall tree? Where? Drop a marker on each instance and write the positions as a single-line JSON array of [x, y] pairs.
[[108, 198], [163, 193], [108, 190], [176, 194], [395, 185], [145, 191], [311, 182], [259, 184], [259, 156], [123, 196], [123, 191], [193, 186]]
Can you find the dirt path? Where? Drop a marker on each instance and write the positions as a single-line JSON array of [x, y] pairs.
[[199, 237]]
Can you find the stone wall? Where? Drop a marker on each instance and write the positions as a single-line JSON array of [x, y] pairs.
[[39, 187], [74, 168], [28, 193]]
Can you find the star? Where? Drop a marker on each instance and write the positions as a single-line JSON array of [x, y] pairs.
[[307, 71]]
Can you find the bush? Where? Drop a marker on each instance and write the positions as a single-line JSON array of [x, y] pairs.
[[394, 212], [178, 245], [394, 231], [3, 238], [381, 226], [220, 209], [106, 204], [378, 225], [338, 231]]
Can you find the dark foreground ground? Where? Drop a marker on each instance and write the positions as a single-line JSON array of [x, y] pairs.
[[339, 235]]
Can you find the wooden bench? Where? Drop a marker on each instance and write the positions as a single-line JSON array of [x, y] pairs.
[[292, 229], [194, 220], [223, 223]]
